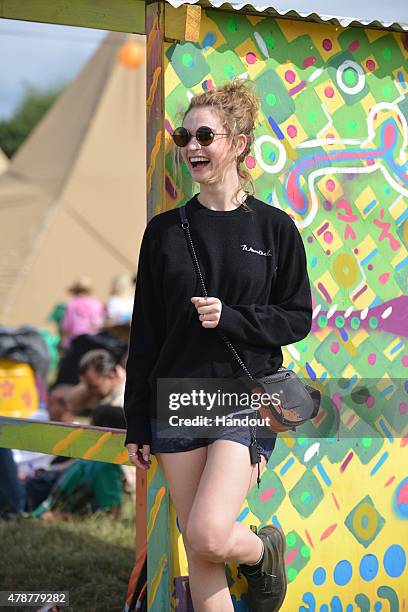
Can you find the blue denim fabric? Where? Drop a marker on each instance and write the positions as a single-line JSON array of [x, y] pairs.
[[240, 434]]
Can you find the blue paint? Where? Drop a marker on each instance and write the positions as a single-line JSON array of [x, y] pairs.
[[286, 466], [336, 605], [368, 567], [379, 463], [402, 218], [310, 371], [350, 608], [276, 128], [386, 430], [400, 76], [209, 40], [378, 606], [402, 264], [376, 302], [396, 348], [343, 334], [369, 207], [343, 572], [394, 561], [323, 474], [367, 258], [324, 608], [310, 601], [319, 576], [243, 514]]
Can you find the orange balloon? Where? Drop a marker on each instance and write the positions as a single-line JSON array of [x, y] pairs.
[[131, 55]]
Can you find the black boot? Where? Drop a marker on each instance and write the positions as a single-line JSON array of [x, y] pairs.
[[267, 581]]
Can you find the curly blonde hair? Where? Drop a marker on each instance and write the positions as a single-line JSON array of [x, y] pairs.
[[238, 108]]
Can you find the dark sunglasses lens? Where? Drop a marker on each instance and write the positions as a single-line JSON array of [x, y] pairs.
[[181, 136], [205, 136]]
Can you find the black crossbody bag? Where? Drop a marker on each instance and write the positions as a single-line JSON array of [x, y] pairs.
[[291, 402]]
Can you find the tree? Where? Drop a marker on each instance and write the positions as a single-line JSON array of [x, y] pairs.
[[28, 113]]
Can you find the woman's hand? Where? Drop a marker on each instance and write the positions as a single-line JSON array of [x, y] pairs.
[[141, 460], [209, 310]]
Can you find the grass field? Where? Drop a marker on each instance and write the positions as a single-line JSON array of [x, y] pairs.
[[91, 558]]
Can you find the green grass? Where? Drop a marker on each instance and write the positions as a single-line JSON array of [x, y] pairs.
[[91, 558]]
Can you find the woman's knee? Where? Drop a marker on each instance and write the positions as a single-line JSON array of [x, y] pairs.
[[207, 538]]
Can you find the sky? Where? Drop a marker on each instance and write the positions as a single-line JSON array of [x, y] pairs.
[[40, 54]]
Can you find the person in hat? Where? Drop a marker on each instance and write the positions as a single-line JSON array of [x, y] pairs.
[[84, 313]]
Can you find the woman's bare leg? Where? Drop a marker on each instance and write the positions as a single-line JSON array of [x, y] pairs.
[[208, 583], [213, 535]]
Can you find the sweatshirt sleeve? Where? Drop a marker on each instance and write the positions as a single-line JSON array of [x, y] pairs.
[[288, 316], [146, 337]]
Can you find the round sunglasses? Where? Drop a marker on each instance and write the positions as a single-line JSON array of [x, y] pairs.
[[204, 136]]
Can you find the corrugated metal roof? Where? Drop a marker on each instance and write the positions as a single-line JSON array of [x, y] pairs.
[[375, 13]]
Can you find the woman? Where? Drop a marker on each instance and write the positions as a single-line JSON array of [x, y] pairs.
[[254, 264]]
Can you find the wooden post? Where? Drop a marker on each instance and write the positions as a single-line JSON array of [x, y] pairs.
[[155, 108]]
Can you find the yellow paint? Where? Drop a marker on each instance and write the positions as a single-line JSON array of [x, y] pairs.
[[153, 89], [95, 448], [62, 445], [152, 164], [155, 509], [155, 581]]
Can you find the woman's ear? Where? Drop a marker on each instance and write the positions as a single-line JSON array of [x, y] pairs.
[[241, 144]]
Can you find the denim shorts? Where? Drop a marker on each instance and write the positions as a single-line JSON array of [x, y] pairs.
[[266, 439]]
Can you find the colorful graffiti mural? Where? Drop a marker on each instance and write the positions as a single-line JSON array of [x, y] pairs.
[[330, 150]]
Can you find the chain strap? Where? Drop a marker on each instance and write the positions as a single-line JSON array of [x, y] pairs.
[[186, 227]]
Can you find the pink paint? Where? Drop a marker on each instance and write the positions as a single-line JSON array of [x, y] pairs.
[[250, 162], [334, 347], [336, 503], [329, 92], [327, 44], [328, 237], [327, 532], [291, 556], [309, 539], [389, 481], [353, 46], [292, 131], [370, 65], [250, 58], [371, 358], [330, 137], [403, 408], [330, 185], [290, 76], [383, 278], [309, 61], [267, 494], [404, 361], [370, 401], [346, 462]]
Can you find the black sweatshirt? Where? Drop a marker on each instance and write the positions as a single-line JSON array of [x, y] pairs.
[[254, 262]]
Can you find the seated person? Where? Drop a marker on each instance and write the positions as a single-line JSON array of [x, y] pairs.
[[87, 486], [102, 381]]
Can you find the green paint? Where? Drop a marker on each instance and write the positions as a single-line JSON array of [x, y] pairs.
[[312, 117], [355, 322], [292, 573], [373, 322], [367, 442], [305, 551], [187, 60], [350, 77], [322, 321], [387, 91], [352, 125], [339, 321], [291, 540], [270, 42], [232, 25], [387, 54], [271, 99]]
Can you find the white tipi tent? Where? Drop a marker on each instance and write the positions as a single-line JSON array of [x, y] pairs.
[[4, 162], [72, 201]]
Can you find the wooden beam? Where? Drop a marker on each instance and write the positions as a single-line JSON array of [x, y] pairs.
[[69, 440], [182, 23], [117, 15]]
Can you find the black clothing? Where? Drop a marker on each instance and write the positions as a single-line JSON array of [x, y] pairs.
[[254, 262]]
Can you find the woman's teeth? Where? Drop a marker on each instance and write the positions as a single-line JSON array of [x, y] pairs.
[[198, 161]]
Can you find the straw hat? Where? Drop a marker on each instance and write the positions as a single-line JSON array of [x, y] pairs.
[[82, 284]]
